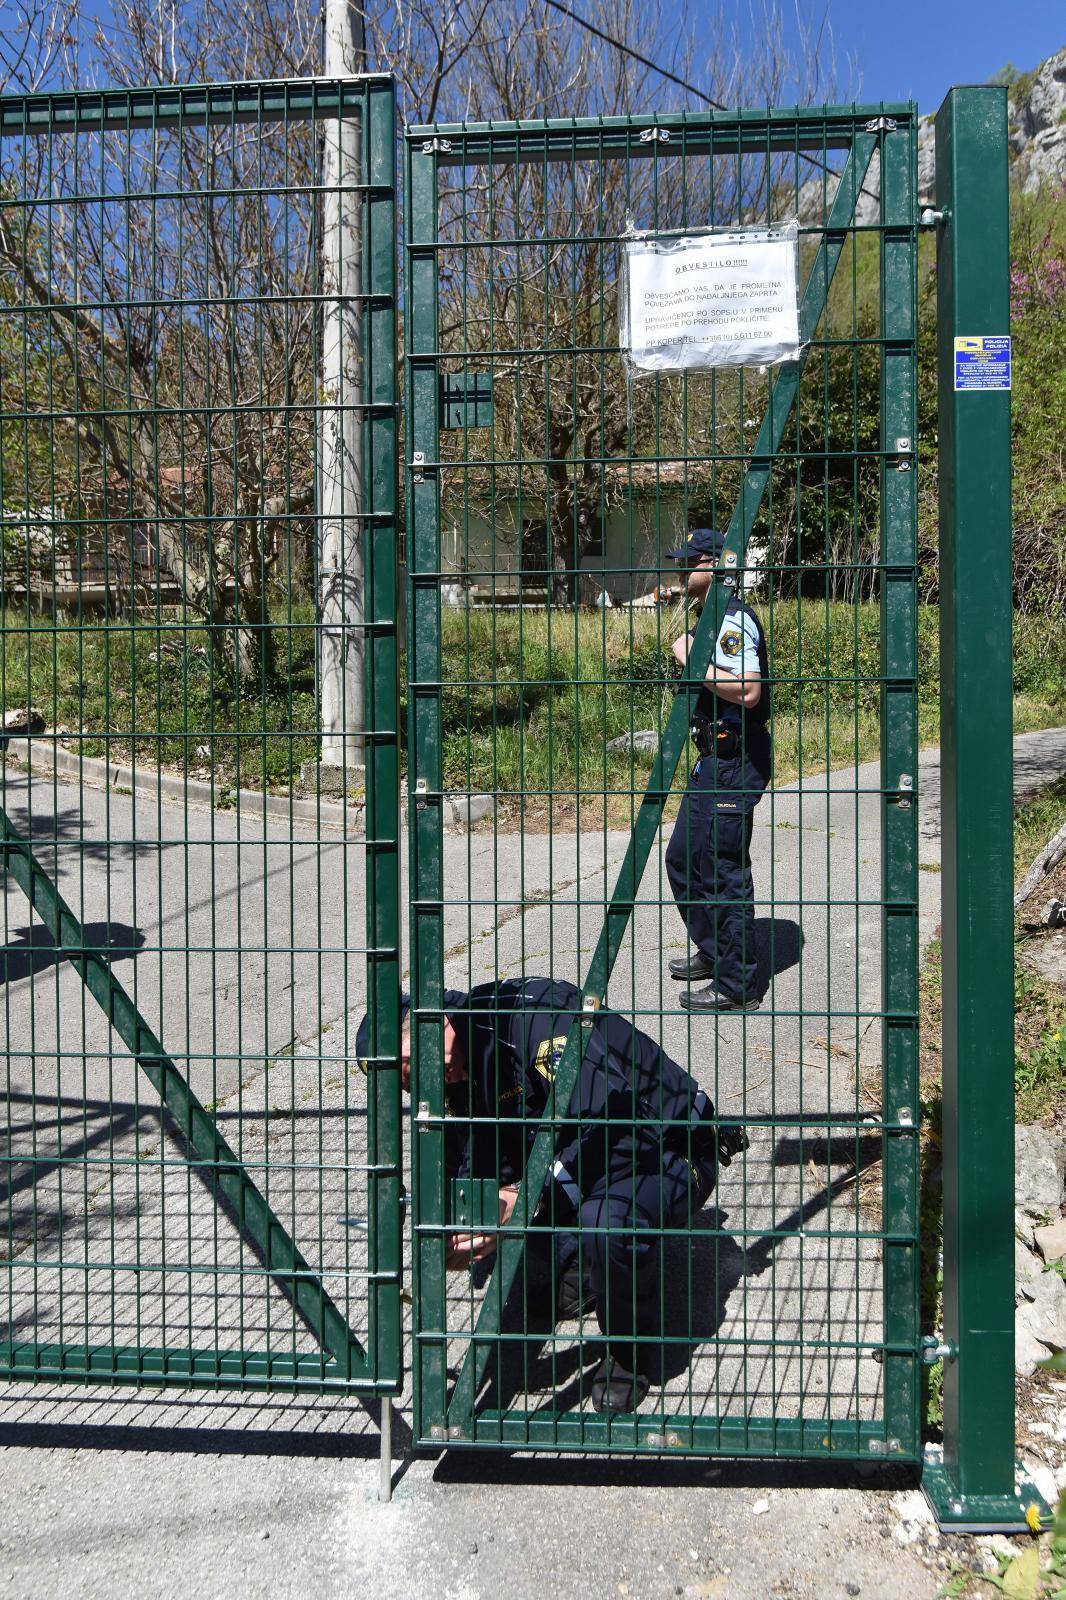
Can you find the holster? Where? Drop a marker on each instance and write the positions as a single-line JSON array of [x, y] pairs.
[[717, 738]]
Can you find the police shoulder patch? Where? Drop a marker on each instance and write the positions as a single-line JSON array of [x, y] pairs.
[[731, 641], [548, 1056]]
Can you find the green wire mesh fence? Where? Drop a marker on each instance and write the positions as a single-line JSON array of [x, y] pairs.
[[769, 1305], [202, 1184], [201, 754], [198, 572]]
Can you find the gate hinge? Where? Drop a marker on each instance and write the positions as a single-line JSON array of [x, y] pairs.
[[653, 135], [881, 125], [934, 1349], [885, 1447], [431, 145], [929, 216], [904, 791]]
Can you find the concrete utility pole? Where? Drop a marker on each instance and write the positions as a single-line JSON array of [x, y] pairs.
[[340, 424]]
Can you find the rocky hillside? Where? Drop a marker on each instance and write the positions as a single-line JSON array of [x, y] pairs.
[[1037, 140], [1038, 124]]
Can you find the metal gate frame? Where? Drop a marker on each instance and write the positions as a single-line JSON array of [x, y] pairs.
[[343, 1365], [891, 130], [972, 1482]]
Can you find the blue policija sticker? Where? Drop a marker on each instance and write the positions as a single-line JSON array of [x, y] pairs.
[[982, 361]]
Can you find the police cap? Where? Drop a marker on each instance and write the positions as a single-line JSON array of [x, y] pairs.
[[702, 542]]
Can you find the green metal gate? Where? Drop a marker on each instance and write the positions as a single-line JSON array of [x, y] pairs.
[[198, 573], [201, 1185], [543, 493]]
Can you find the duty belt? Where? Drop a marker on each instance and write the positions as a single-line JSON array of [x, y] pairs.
[[716, 737]]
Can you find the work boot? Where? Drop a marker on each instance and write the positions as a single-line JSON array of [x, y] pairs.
[[573, 1297], [615, 1389], [732, 1141], [697, 966], [715, 1000]]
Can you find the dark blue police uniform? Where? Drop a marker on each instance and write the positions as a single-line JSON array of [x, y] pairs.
[[708, 858], [636, 1152]]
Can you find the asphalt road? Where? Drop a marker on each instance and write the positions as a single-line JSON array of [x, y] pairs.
[[244, 951]]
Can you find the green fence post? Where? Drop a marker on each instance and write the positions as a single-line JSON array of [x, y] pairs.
[[973, 1484], [382, 716], [425, 775], [899, 742]]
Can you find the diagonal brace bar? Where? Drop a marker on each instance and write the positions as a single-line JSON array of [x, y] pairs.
[[646, 826], [292, 1272]]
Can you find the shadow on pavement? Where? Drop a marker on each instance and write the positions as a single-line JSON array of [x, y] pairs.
[[779, 941], [32, 950], [657, 1472]]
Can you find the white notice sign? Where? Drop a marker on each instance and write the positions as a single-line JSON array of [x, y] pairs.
[[712, 300]]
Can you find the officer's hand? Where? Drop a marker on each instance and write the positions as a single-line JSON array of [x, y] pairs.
[[466, 1248], [681, 647]]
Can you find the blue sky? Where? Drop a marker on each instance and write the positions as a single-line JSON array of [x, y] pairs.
[[901, 49], [916, 49]]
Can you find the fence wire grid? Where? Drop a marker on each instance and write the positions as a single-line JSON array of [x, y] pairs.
[[198, 1186], [773, 1308]]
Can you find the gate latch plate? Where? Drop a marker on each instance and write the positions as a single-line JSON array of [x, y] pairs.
[[466, 400]]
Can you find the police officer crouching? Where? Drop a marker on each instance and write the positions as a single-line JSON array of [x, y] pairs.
[[708, 858], [638, 1152]]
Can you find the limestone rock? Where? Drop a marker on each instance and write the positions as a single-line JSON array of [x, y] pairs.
[[1038, 135], [1026, 1268], [926, 161], [910, 1505], [1045, 1316], [1039, 1165], [1051, 1241], [23, 719], [1048, 1481], [643, 739], [1037, 138], [1028, 1351]]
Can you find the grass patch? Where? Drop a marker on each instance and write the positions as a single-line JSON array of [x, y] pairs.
[[1039, 1049], [150, 691], [531, 699], [1036, 821]]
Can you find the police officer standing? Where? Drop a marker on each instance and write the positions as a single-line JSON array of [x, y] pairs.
[[637, 1151], [708, 860]]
